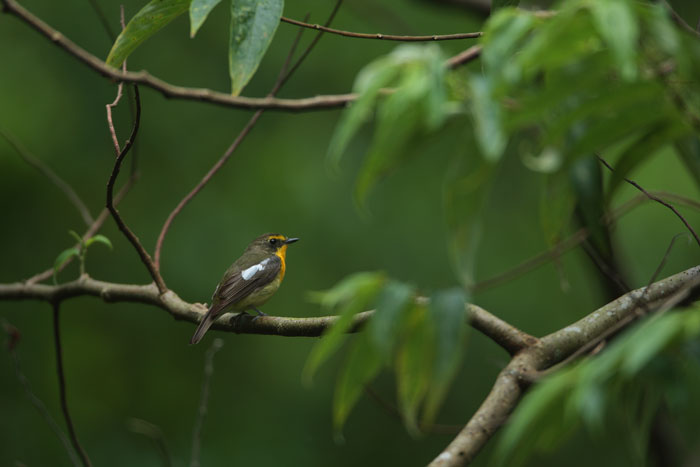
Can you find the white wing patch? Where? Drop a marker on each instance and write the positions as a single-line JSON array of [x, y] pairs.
[[249, 273]]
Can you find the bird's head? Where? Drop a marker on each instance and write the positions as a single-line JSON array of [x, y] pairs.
[[275, 244]]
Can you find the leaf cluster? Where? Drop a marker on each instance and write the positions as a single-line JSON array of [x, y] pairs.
[[422, 340]]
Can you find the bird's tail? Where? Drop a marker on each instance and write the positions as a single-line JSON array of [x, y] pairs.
[[203, 327]]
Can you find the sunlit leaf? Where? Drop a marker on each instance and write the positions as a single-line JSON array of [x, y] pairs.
[[363, 363], [352, 295], [448, 316], [199, 10], [149, 20], [100, 239], [253, 25]]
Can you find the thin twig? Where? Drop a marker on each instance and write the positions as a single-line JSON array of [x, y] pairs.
[[13, 335], [91, 231], [204, 400], [387, 37], [143, 254], [103, 20], [45, 170], [284, 74], [678, 19], [62, 386], [658, 200], [576, 239], [391, 409], [155, 434], [204, 95]]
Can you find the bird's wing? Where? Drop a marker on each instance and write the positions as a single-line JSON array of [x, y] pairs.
[[240, 284], [236, 286]]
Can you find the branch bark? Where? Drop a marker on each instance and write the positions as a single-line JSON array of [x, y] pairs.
[[525, 366], [197, 94]]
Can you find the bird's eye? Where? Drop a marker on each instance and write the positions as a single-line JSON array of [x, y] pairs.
[[273, 241]]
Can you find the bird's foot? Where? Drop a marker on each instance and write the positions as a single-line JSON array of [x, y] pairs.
[[260, 313]]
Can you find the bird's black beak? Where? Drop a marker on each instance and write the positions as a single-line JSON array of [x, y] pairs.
[[290, 240]]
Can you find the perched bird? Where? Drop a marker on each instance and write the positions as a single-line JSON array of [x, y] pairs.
[[250, 281]]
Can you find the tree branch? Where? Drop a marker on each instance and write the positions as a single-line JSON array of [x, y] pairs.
[[386, 37], [196, 94], [524, 367]]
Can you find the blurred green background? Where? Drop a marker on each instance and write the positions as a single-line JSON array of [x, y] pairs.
[[130, 360]]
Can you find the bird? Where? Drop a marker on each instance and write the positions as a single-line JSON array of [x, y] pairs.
[[250, 281]]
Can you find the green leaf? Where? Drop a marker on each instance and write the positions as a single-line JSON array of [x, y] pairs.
[[199, 10], [149, 20], [414, 365], [369, 82], [352, 295], [587, 182], [384, 327], [99, 238], [503, 36], [448, 315], [540, 422], [62, 258], [488, 121], [253, 25], [362, 366], [641, 150], [617, 24], [77, 237], [465, 192]]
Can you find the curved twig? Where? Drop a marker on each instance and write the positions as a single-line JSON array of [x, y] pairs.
[[386, 37], [282, 78], [35, 162], [143, 254]]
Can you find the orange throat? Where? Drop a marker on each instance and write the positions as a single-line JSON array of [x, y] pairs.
[[282, 253]]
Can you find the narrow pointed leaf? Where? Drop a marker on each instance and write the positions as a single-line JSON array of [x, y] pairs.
[[362, 365], [448, 316], [64, 256], [253, 25], [384, 327], [413, 365], [617, 24], [149, 20], [199, 10], [353, 295]]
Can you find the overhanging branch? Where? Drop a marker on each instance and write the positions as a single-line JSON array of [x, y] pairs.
[[197, 94]]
